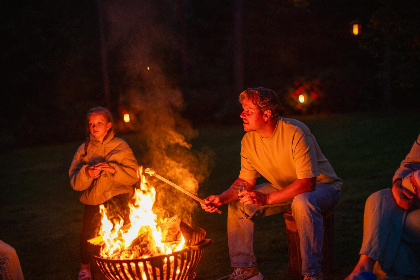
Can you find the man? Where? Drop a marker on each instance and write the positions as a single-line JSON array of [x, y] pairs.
[[285, 153]]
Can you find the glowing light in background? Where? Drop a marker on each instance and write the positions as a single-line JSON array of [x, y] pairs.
[[301, 98], [356, 29], [148, 68], [127, 118]]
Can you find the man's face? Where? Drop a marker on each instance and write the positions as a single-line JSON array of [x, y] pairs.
[[253, 119]]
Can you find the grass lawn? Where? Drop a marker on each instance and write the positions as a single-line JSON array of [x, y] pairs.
[[40, 215]]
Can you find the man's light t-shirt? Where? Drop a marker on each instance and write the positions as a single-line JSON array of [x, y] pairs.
[[290, 153]]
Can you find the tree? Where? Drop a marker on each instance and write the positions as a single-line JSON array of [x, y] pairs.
[[238, 59], [393, 37]]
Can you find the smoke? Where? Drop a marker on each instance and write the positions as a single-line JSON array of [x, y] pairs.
[[141, 43]]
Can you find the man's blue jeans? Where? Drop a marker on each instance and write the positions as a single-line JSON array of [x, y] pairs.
[[307, 209]]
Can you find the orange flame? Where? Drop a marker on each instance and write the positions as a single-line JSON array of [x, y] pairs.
[[118, 240]]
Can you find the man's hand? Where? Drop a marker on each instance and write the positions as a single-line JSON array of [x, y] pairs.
[[211, 203], [253, 197], [402, 196]]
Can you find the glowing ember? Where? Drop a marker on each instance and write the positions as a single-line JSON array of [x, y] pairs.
[[143, 236]]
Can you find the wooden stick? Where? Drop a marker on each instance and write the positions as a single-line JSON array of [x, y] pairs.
[[151, 172]]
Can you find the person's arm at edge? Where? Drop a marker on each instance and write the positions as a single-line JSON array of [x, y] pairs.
[[402, 197]]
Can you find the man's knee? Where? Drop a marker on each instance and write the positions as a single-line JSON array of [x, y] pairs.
[[303, 203], [234, 209]]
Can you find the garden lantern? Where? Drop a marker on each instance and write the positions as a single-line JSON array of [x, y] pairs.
[[302, 98], [126, 117], [356, 29]]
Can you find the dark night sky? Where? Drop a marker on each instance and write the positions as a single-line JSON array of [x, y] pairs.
[[52, 63]]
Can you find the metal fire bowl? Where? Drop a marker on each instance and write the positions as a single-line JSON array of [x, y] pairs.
[[176, 266]]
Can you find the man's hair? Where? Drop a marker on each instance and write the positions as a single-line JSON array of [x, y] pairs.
[[264, 99]]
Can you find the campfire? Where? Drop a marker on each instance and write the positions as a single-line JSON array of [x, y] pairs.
[[147, 246]]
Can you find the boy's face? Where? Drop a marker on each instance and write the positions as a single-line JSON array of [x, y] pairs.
[[99, 126]]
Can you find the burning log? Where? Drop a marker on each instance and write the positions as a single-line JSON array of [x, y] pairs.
[[144, 245], [171, 231]]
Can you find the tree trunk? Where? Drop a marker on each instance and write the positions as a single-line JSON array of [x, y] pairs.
[[238, 69], [104, 60], [386, 89], [183, 39]]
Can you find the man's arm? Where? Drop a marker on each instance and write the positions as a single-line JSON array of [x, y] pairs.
[[288, 193], [213, 202], [297, 187]]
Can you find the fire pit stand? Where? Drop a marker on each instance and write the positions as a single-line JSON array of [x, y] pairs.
[[179, 265]]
